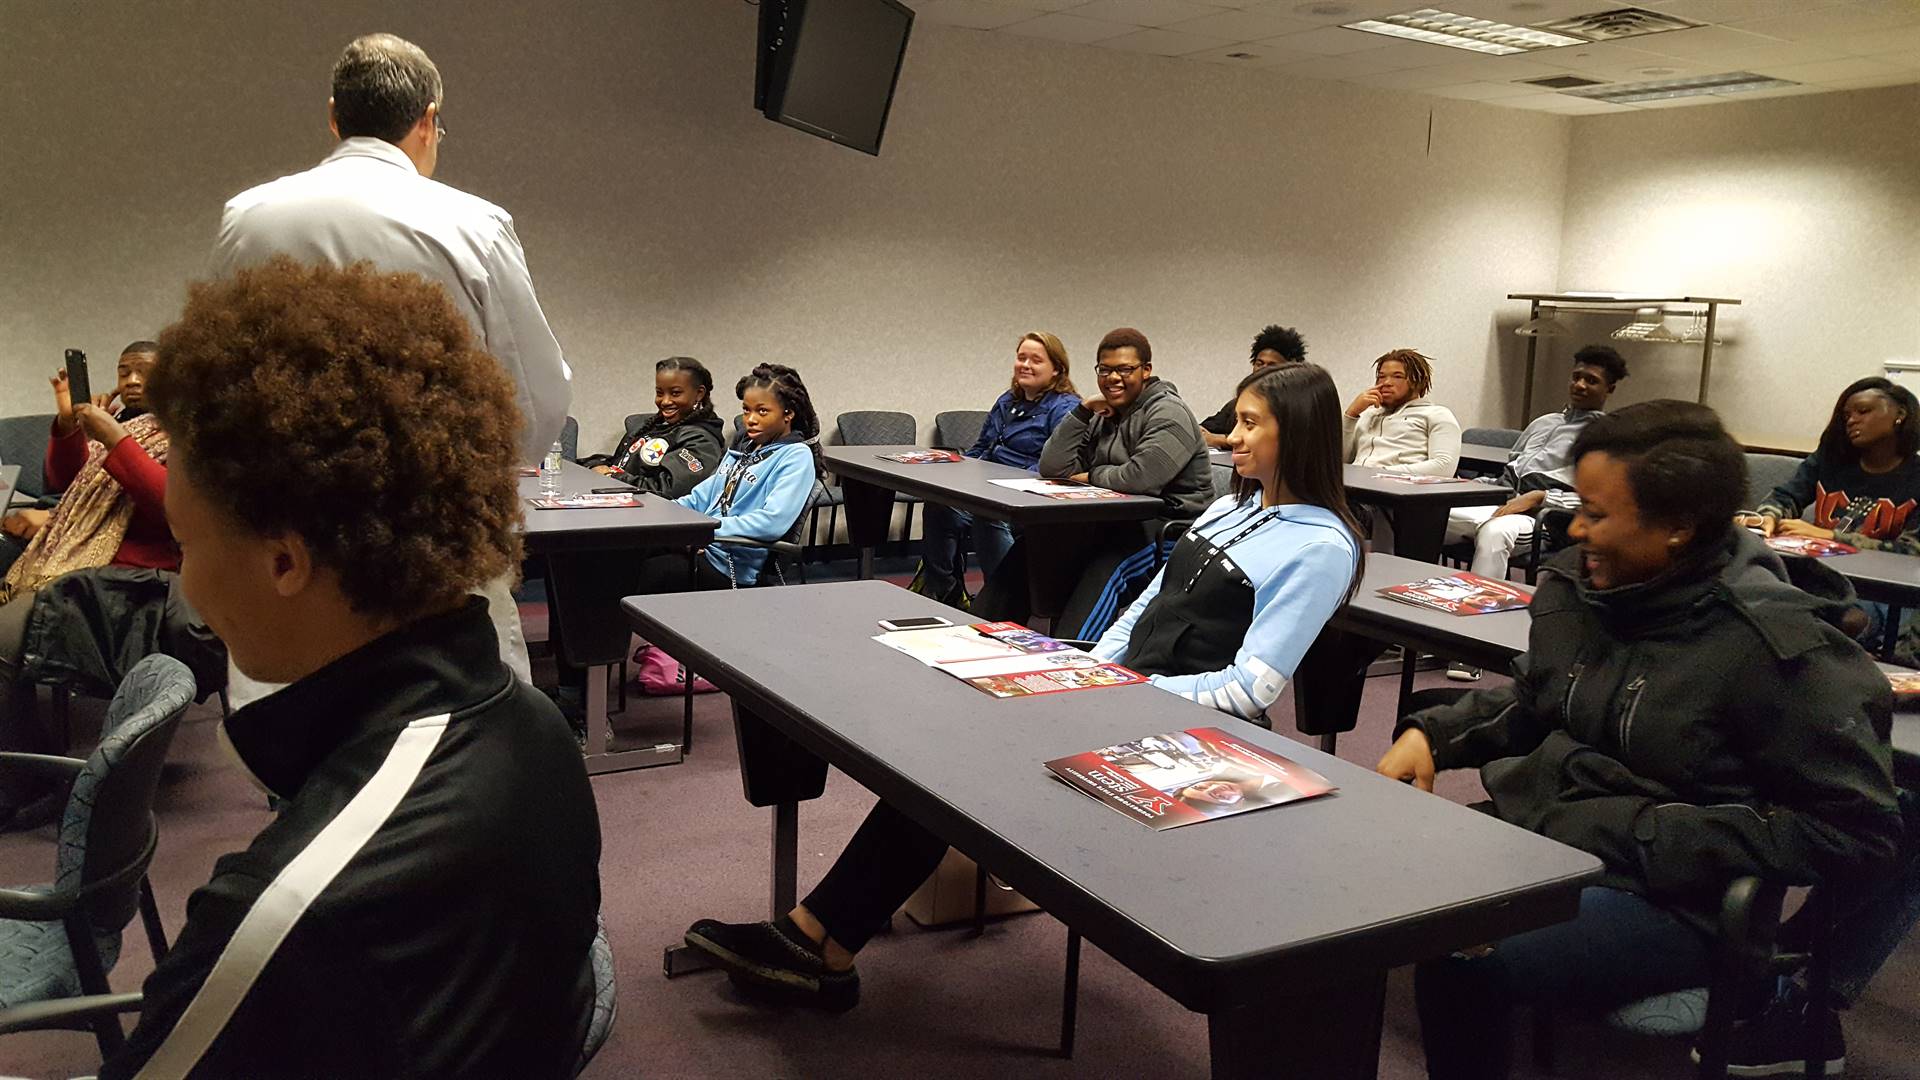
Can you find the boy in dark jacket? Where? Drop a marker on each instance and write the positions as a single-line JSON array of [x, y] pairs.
[[425, 902], [1134, 436], [1682, 712]]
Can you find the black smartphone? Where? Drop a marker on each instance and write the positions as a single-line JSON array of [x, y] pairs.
[[78, 387]]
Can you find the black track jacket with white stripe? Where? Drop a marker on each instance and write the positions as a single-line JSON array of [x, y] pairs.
[[423, 905]]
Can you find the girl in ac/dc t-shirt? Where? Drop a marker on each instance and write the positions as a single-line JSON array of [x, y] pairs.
[[1862, 486]]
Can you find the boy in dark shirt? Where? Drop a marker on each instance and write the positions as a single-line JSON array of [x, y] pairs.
[[1273, 346]]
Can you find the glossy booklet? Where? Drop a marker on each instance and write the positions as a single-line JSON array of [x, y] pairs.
[[920, 457], [1185, 777], [1007, 660], [1461, 594], [1058, 489], [609, 501]]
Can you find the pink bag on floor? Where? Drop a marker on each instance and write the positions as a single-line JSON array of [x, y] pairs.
[[662, 675]]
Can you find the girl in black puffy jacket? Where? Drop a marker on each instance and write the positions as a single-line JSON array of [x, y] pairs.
[[672, 451]]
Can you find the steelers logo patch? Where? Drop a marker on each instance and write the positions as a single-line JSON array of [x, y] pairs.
[[652, 451]]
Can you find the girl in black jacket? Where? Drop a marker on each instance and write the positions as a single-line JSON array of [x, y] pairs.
[[672, 451], [1681, 712]]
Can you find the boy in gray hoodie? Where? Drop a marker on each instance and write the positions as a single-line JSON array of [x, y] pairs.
[[1136, 436]]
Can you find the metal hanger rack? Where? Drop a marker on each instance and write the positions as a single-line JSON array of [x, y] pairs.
[[1628, 304]]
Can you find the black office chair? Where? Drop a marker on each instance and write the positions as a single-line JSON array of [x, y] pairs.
[[23, 442], [958, 429], [1486, 436], [58, 941], [875, 428]]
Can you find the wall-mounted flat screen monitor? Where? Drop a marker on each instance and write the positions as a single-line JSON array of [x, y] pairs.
[[829, 67]]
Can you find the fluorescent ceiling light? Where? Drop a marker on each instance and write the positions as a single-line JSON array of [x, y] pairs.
[[1436, 27], [1729, 82]]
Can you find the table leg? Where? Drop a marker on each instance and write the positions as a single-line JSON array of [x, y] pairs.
[[1055, 558], [600, 758], [1419, 530], [1326, 1031], [869, 510], [1409, 663], [786, 859]]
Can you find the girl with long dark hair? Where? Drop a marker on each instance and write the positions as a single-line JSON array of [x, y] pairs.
[[1862, 486], [1223, 623]]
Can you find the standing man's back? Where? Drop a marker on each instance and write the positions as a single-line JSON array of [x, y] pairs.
[[374, 199]]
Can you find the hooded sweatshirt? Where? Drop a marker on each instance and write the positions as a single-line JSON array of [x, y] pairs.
[[1245, 592], [666, 459], [759, 493], [1153, 448], [1688, 730], [1419, 438]]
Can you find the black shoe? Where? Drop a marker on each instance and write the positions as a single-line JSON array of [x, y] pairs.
[[758, 955], [1774, 1043]]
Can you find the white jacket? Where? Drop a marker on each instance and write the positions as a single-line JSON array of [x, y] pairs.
[[1419, 437], [367, 201]]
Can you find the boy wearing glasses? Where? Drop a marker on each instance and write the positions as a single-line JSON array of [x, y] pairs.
[[1133, 435]]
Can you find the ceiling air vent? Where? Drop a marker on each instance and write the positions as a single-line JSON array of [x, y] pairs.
[[1616, 24], [1561, 82]]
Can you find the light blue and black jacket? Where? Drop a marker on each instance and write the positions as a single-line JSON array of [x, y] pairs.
[[758, 493], [1242, 596]]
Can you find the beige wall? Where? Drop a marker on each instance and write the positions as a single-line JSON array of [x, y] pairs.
[[1023, 185], [1805, 208]]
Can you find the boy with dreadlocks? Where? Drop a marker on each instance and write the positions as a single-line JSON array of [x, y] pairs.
[[1273, 346], [1392, 425]]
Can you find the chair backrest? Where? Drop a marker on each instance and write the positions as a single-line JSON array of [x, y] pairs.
[[109, 818], [738, 428], [570, 439], [634, 420], [958, 428], [1766, 472], [876, 428], [1491, 436], [23, 442]]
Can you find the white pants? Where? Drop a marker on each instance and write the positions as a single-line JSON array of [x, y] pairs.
[[1494, 538], [506, 623]]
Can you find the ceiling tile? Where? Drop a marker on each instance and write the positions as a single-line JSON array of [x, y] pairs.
[[1332, 41], [1162, 42], [1146, 12], [1829, 22], [1063, 26], [1414, 79], [1726, 11], [1333, 12], [1687, 44], [1242, 25], [975, 14], [1787, 52], [1333, 67], [1827, 71], [1497, 68], [1904, 78], [1248, 54], [1401, 55], [1482, 91], [1874, 44]]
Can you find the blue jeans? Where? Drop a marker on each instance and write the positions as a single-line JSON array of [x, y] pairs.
[[942, 528], [1620, 948]]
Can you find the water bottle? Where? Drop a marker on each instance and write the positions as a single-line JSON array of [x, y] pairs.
[[550, 471]]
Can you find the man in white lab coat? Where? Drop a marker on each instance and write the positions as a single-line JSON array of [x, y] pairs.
[[374, 198]]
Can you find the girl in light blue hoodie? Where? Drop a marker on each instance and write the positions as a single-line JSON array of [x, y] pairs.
[[766, 480]]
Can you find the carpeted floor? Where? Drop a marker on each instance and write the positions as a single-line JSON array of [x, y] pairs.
[[680, 844]]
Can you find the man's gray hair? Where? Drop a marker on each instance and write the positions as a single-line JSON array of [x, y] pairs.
[[382, 85]]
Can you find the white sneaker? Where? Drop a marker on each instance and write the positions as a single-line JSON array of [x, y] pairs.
[[1463, 673]]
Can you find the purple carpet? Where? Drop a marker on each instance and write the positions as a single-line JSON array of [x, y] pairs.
[[680, 844]]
